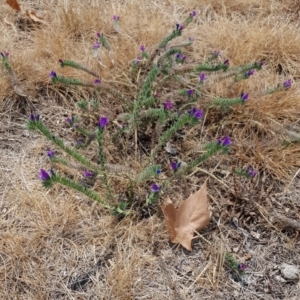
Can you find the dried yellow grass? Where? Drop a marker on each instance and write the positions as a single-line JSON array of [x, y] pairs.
[[50, 241]]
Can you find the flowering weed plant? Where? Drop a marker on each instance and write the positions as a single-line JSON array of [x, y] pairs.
[[165, 119]]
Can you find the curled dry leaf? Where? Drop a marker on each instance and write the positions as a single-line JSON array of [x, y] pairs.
[[192, 214], [34, 17], [14, 4]]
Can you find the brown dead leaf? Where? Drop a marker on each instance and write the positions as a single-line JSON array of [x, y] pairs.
[[192, 214], [34, 17], [14, 4]]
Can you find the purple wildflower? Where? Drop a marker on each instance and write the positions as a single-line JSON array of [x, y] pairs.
[[69, 120], [202, 77], [226, 63], [175, 165], [244, 97], [99, 34], [180, 57], [116, 18], [33, 118], [88, 174], [197, 113], [193, 13], [217, 53], [50, 153], [242, 267], [53, 74], [287, 84], [60, 61], [225, 141], [102, 122], [142, 48], [190, 92], [179, 27], [4, 54], [249, 73], [97, 81], [44, 175], [168, 105], [96, 46], [155, 188], [158, 171], [251, 172]]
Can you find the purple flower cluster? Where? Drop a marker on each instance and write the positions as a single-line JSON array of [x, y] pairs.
[[193, 14], [242, 267], [116, 18], [44, 176], [102, 122], [175, 165], [53, 74], [180, 57], [249, 73], [244, 97], [155, 188], [179, 27], [33, 118], [50, 153], [96, 46], [225, 141], [287, 84], [168, 105], [196, 113], [202, 77], [88, 174], [70, 121], [190, 92], [4, 54], [226, 63], [251, 172]]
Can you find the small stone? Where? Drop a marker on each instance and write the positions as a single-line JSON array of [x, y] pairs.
[[235, 249], [289, 272], [280, 279], [247, 280], [256, 235], [170, 148]]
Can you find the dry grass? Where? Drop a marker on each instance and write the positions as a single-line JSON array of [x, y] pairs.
[[58, 244]]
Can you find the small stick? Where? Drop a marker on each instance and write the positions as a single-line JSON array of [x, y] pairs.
[[199, 276], [288, 221], [199, 235]]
